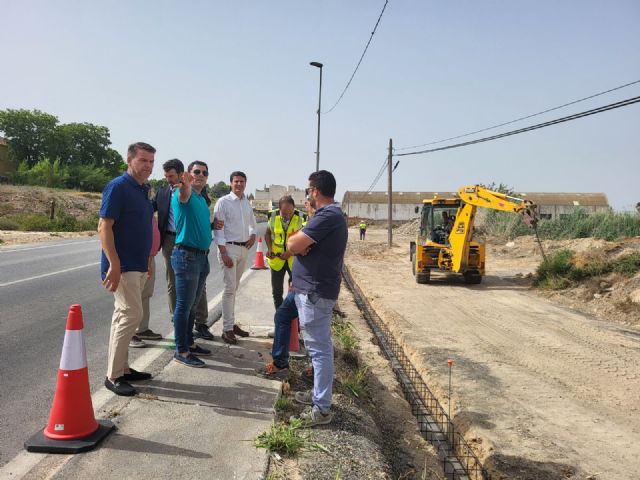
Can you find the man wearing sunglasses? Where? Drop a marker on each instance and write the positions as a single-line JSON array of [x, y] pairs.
[[173, 170], [190, 260], [234, 240], [319, 248]]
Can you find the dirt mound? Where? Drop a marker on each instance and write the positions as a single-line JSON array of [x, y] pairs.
[[25, 199], [409, 228], [611, 296]]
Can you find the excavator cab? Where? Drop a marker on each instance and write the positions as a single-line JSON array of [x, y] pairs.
[[438, 217]]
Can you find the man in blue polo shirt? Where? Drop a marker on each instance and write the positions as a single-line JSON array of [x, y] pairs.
[[189, 259], [319, 248], [125, 236]]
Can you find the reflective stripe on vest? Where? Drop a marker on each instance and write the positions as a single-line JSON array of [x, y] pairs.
[[279, 237]]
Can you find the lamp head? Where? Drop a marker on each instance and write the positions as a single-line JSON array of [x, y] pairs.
[[315, 64]]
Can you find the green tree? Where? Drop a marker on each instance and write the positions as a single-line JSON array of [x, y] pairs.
[[218, 190], [31, 135]]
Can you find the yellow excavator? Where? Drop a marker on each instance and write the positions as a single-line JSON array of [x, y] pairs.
[[445, 241]]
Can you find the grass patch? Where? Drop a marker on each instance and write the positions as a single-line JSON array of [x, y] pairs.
[[287, 439], [283, 404], [9, 223], [563, 269], [357, 382], [343, 330]]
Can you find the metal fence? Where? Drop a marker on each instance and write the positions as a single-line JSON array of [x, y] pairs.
[[459, 460]]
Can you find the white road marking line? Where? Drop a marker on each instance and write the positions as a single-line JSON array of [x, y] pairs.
[[24, 462], [49, 274], [2, 250]]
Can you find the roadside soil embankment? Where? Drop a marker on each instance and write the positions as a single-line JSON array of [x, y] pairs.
[[541, 391]]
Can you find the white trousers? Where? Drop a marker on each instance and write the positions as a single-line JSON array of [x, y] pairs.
[[232, 278]]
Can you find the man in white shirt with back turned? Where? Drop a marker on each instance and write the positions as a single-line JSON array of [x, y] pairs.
[[234, 240]]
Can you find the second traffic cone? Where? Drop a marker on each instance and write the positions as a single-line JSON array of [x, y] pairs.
[[72, 425], [258, 264], [294, 341]]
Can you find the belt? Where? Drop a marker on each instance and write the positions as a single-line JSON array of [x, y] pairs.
[[187, 248], [173, 234], [242, 244]]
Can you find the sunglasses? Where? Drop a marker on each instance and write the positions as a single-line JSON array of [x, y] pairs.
[[197, 171], [307, 191]]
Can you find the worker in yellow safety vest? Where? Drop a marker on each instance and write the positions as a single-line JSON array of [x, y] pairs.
[[363, 229], [283, 222]]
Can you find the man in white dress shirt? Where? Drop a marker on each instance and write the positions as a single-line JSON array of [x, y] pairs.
[[234, 240]]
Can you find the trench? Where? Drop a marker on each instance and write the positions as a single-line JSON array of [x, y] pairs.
[[459, 462]]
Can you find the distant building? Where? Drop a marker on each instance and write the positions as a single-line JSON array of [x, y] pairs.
[[372, 206], [267, 199]]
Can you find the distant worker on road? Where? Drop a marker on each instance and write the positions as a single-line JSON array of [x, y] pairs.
[[363, 229]]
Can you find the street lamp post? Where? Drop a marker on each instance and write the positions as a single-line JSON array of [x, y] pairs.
[[319, 65]]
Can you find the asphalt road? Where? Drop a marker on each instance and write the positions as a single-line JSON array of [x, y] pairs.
[[38, 283]]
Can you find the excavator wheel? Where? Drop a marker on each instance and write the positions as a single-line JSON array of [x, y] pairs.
[[472, 278], [421, 277]]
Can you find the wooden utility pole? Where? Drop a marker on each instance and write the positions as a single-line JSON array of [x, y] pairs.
[[390, 195]]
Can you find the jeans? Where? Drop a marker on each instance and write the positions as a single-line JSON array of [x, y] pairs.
[[315, 315], [191, 270], [202, 310], [283, 317], [277, 281]]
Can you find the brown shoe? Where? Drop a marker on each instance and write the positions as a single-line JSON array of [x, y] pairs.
[[240, 332], [229, 337]]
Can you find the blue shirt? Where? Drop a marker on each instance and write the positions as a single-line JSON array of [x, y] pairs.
[[193, 226], [320, 270], [127, 203]]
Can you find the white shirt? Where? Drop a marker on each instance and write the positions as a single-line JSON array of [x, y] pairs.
[[238, 217]]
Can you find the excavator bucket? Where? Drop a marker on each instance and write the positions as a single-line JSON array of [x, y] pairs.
[[530, 216]]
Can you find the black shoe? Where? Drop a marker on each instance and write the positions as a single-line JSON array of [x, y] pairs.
[[240, 332], [120, 387], [202, 331], [199, 351], [135, 376]]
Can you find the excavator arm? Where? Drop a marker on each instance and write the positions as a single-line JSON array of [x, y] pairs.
[[472, 198]]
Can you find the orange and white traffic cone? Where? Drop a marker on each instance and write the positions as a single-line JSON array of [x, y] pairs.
[[72, 426], [294, 341], [258, 264]]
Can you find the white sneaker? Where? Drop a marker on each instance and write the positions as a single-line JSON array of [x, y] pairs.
[[136, 342], [303, 397], [312, 416]]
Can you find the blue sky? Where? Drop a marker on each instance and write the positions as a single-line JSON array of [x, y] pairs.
[[230, 83]]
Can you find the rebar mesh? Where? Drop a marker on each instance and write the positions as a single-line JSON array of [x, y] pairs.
[[459, 460]]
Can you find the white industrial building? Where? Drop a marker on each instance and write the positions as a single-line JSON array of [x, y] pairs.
[[372, 206], [267, 198]]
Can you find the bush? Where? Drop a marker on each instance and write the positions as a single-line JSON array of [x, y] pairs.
[[9, 223], [560, 271], [627, 265], [36, 223], [578, 224]]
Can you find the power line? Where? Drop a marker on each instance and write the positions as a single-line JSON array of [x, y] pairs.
[[623, 103], [377, 177], [521, 118], [359, 61]]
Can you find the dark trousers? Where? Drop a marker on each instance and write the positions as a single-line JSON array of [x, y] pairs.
[[283, 317], [277, 281], [362, 233]]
